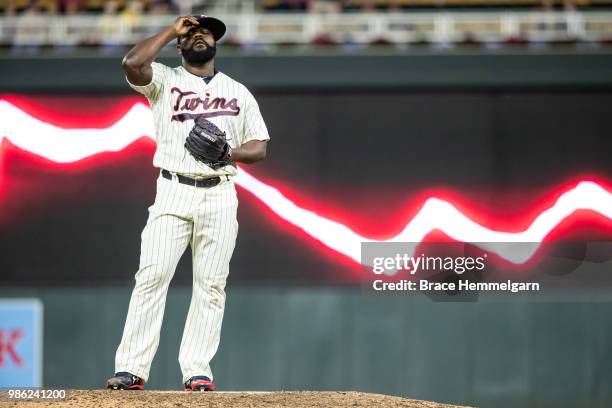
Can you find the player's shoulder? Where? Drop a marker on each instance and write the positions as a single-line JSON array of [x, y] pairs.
[[156, 65], [159, 65], [238, 86]]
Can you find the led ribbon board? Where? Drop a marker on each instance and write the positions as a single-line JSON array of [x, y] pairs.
[[68, 145]]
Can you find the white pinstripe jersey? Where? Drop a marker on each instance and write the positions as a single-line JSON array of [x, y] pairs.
[[176, 96]]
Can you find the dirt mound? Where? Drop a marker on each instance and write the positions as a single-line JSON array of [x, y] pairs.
[[174, 399]]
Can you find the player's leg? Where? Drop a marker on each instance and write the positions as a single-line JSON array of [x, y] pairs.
[[164, 240], [214, 238]]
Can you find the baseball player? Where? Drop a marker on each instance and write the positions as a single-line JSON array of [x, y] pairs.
[[205, 122]]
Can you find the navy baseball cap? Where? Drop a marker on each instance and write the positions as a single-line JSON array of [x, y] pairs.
[[215, 26]]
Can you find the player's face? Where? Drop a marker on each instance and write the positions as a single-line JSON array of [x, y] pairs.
[[198, 46]]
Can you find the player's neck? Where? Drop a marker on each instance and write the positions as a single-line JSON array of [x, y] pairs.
[[206, 69]]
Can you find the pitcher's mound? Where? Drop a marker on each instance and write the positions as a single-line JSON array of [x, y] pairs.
[[176, 399]]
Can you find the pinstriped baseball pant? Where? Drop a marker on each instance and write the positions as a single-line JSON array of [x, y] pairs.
[[182, 215]]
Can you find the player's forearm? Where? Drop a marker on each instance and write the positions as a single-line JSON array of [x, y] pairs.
[[144, 52], [250, 152]]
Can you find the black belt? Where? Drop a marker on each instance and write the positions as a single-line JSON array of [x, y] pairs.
[[209, 182]]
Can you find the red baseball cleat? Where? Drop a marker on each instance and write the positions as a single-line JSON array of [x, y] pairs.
[[199, 383]]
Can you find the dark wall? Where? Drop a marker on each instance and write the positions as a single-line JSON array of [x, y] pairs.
[[478, 354], [366, 159], [376, 68]]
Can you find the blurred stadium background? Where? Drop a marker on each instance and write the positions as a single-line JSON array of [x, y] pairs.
[[496, 104]]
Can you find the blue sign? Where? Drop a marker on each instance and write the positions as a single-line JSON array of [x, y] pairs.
[[21, 343]]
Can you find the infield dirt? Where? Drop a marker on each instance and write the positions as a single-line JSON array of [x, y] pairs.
[[174, 399]]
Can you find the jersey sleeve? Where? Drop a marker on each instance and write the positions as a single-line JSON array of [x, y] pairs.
[[254, 127], [153, 89]]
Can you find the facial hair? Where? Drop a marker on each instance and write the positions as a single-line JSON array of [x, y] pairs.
[[200, 57]]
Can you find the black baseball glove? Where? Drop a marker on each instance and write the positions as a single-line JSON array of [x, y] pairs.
[[207, 143]]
